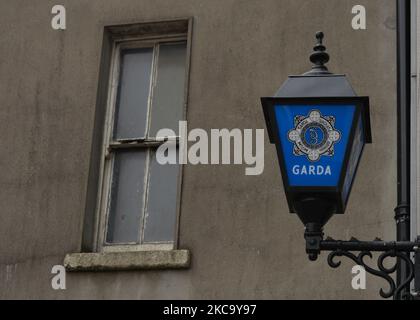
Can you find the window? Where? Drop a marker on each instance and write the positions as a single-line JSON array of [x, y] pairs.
[[138, 198]]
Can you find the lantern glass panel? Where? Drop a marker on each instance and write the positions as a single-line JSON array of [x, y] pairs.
[[314, 141], [354, 160]]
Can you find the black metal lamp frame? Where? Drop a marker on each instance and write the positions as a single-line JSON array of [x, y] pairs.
[[333, 194], [402, 250]]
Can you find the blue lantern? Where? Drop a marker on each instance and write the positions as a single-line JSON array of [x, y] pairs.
[[320, 128]]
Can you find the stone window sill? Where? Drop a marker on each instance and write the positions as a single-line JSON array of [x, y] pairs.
[[125, 261]]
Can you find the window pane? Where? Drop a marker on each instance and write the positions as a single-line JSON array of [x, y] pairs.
[[127, 191], [168, 96], [161, 206], [133, 93]]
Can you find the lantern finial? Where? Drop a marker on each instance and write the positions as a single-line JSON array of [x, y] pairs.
[[319, 57]]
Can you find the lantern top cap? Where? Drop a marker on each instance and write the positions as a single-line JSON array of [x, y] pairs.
[[319, 57], [318, 82]]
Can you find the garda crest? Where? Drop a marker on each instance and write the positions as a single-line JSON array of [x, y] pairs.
[[314, 136]]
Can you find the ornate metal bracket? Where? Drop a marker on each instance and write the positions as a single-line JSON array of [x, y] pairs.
[[338, 249], [401, 251]]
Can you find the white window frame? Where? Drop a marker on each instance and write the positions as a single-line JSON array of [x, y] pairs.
[[103, 196]]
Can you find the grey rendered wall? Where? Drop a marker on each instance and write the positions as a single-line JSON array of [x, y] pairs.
[[243, 241]]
